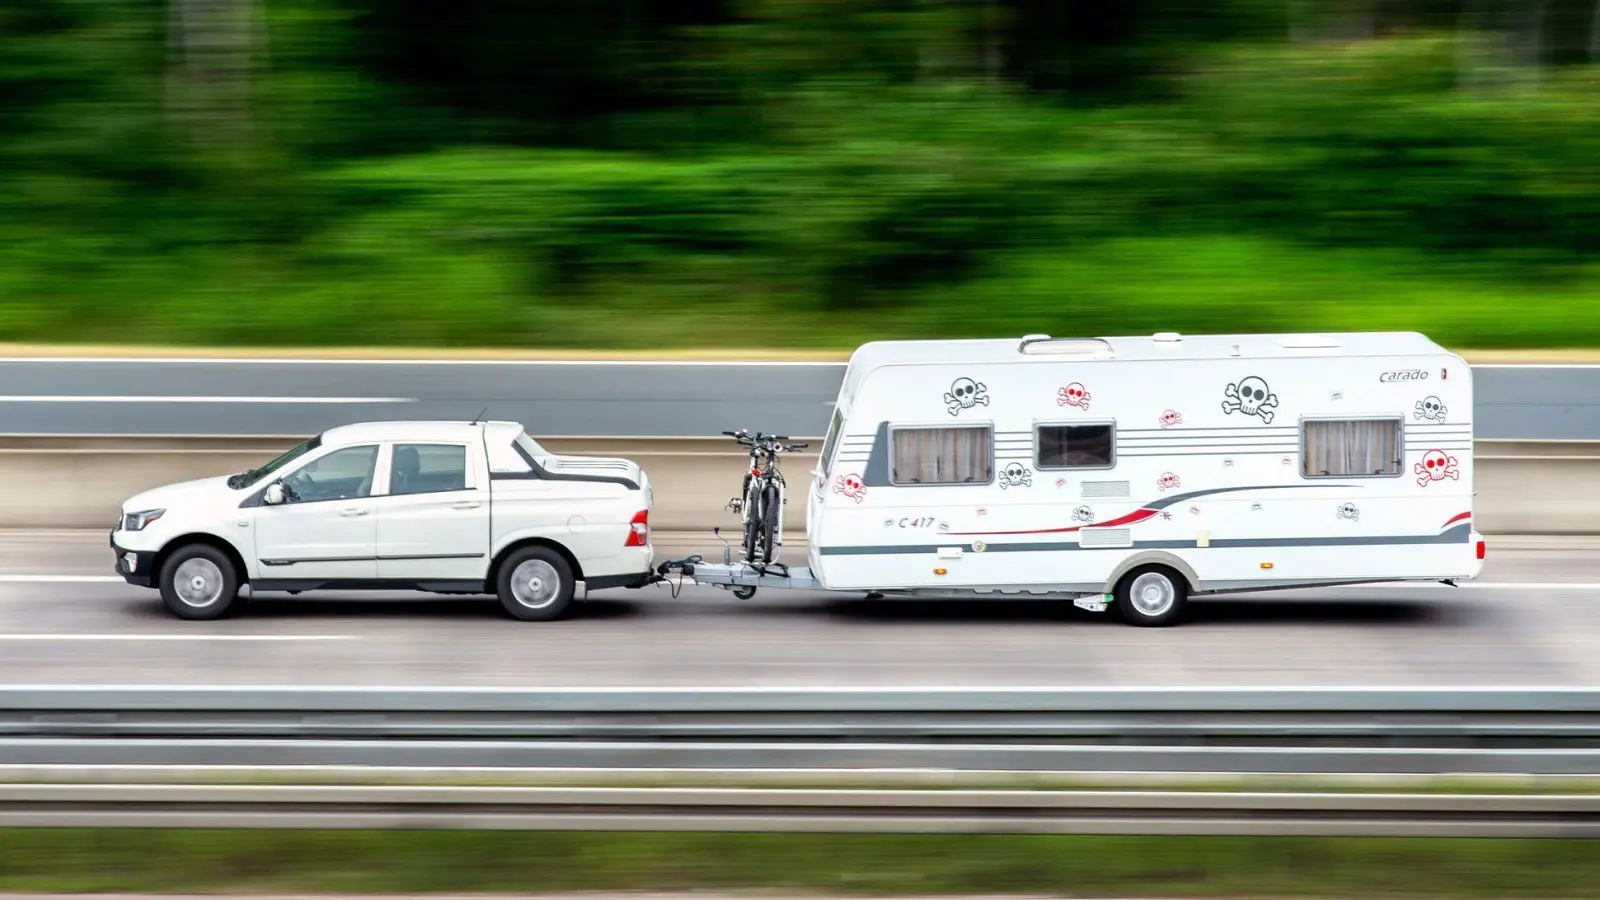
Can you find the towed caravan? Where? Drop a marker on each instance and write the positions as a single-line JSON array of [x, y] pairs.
[[1136, 472]]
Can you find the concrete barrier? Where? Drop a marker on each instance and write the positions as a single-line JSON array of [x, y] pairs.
[[1524, 487]]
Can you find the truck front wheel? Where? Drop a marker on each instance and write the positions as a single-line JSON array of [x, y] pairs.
[[536, 585], [199, 582]]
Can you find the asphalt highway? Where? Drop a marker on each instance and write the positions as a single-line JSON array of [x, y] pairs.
[[1534, 620], [294, 397]]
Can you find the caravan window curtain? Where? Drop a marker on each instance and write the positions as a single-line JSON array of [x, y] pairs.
[[960, 455], [1351, 448]]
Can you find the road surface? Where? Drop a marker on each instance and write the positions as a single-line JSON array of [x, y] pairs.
[[1536, 622], [297, 397]]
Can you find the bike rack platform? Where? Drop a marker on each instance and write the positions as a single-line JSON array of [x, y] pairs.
[[740, 574]]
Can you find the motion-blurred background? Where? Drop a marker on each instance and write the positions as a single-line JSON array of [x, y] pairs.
[[631, 173]]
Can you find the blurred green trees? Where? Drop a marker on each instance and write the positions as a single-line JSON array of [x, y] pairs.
[[645, 173]]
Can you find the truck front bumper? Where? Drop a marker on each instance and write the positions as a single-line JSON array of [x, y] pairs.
[[135, 566]]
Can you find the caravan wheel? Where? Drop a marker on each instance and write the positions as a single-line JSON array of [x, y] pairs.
[[1151, 596]]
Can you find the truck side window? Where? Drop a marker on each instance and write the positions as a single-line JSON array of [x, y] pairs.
[[428, 469], [1090, 445], [1351, 448], [341, 475], [942, 455]]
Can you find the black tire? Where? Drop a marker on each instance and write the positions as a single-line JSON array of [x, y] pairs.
[[524, 587], [1152, 597], [198, 582], [771, 509], [744, 593]]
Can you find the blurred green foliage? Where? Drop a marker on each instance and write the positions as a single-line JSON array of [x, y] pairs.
[[639, 173]]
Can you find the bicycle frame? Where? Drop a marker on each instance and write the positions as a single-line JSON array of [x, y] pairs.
[[762, 472]]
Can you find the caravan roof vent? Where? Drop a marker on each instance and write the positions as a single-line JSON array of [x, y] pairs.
[[1167, 337], [1044, 343]]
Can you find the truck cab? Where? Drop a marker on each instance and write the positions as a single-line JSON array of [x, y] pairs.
[[441, 507]]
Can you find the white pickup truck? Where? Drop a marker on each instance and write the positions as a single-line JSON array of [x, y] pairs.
[[443, 507]]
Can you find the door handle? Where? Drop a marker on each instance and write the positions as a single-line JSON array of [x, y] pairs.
[[353, 511], [466, 504]]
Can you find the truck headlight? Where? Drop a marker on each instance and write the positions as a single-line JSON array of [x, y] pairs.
[[136, 521]]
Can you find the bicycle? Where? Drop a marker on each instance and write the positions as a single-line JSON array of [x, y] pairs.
[[762, 499]]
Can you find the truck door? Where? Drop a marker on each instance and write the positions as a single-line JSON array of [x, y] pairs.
[[433, 521]]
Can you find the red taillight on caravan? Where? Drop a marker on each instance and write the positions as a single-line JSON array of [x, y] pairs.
[[639, 529], [1481, 549]]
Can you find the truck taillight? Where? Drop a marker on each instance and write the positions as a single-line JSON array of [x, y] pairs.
[[1481, 549], [639, 529]]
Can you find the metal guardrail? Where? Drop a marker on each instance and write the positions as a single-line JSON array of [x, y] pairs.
[[1549, 731], [808, 810]]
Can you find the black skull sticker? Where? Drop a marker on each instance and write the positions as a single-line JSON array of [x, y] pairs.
[[1015, 475], [965, 393], [1252, 397], [1431, 409], [1083, 514]]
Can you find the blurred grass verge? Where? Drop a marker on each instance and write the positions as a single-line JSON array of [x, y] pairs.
[[66, 861]]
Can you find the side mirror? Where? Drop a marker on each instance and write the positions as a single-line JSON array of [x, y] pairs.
[[274, 495]]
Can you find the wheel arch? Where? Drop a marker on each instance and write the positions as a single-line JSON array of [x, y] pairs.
[[241, 570], [1153, 558], [492, 578]]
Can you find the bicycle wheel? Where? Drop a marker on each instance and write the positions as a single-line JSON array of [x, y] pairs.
[[771, 509], [752, 522]]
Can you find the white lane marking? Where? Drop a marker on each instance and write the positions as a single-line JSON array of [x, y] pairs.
[[60, 579], [77, 398], [143, 637], [27, 578]]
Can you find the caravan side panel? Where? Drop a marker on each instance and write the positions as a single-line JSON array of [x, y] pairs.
[[1215, 465]]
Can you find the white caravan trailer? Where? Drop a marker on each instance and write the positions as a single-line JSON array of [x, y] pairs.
[[1136, 472]]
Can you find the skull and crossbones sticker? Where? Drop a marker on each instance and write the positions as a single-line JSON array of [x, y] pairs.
[[851, 486], [1073, 394], [1170, 418], [965, 393], [1252, 397], [1015, 475], [1432, 409], [1167, 481], [1349, 511], [1083, 514], [1436, 465]]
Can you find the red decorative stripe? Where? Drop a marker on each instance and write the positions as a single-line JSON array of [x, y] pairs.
[[1138, 515], [1457, 518]]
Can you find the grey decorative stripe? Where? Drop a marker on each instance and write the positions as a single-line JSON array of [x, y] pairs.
[[1456, 535]]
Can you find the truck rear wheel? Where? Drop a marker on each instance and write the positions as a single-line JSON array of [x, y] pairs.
[[1151, 596], [199, 582], [536, 585]]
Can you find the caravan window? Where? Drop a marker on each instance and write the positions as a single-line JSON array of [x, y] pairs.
[[1351, 448], [831, 441], [942, 455], [1077, 446]]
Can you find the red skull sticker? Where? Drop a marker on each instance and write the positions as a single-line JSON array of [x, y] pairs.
[[1167, 481], [1436, 465], [850, 486], [1073, 394], [1170, 418]]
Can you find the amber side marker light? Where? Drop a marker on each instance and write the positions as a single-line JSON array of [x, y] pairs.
[[1266, 565], [939, 571]]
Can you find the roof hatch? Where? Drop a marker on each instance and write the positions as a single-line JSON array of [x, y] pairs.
[[1044, 344]]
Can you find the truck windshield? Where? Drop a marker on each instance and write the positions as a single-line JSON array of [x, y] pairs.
[[251, 476]]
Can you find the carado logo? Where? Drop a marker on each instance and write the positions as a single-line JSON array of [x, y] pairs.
[[1405, 375]]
